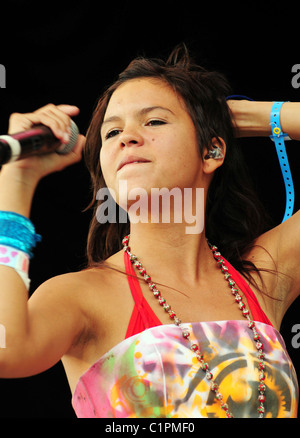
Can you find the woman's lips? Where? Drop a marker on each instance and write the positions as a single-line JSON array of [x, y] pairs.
[[132, 159]]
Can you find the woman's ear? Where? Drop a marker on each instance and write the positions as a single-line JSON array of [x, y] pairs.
[[214, 156]]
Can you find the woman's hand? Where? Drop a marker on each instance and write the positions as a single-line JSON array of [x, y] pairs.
[[18, 180], [57, 118]]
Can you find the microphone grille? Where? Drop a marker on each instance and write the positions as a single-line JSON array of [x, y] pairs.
[[66, 148]]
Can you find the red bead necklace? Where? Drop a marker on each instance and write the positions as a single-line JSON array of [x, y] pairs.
[[186, 334]]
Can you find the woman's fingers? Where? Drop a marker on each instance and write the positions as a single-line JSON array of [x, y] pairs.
[[57, 118]]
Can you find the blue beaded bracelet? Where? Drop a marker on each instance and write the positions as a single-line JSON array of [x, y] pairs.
[[18, 232]]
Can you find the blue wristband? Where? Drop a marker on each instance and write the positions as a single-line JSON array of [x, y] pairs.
[[18, 232], [279, 137]]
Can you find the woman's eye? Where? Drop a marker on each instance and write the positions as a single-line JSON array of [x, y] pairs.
[[112, 133], [156, 122]]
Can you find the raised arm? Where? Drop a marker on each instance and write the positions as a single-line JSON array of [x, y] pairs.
[[283, 242], [33, 333], [252, 119]]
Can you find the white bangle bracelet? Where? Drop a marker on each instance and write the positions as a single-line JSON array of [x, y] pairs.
[[16, 259]]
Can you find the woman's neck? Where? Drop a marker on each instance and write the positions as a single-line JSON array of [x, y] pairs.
[[166, 248]]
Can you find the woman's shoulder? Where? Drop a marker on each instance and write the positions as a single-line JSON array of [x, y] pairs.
[[98, 275], [93, 292], [103, 283], [79, 292], [71, 282]]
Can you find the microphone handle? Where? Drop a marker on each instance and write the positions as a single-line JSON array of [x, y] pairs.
[[38, 140]]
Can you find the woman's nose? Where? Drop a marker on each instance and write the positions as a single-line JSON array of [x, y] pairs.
[[131, 137]]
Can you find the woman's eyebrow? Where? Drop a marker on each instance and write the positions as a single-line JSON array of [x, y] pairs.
[[141, 112], [111, 119], [148, 109]]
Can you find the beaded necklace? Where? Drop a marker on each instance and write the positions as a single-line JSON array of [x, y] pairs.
[[186, 333]]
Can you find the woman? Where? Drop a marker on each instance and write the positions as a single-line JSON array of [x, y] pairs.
[[216, 351]]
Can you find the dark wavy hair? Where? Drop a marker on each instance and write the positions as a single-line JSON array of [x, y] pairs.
[[235, 216]]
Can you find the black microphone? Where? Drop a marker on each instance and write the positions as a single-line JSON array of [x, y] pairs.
[[38, 140]]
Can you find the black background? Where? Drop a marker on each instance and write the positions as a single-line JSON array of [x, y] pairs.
[[68, 52]]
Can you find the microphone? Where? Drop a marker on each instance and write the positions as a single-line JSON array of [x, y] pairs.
[[38, 140]]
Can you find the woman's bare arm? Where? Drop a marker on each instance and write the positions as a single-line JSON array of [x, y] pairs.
[[35, 335], [283, 242], [252, 119]]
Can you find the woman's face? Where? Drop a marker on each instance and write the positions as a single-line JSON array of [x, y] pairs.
[[149, 139]]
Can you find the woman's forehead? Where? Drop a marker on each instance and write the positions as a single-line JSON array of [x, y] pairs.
[[143, 92]]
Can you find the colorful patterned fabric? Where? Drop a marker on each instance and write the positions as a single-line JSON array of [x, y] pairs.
[[155, 374]]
